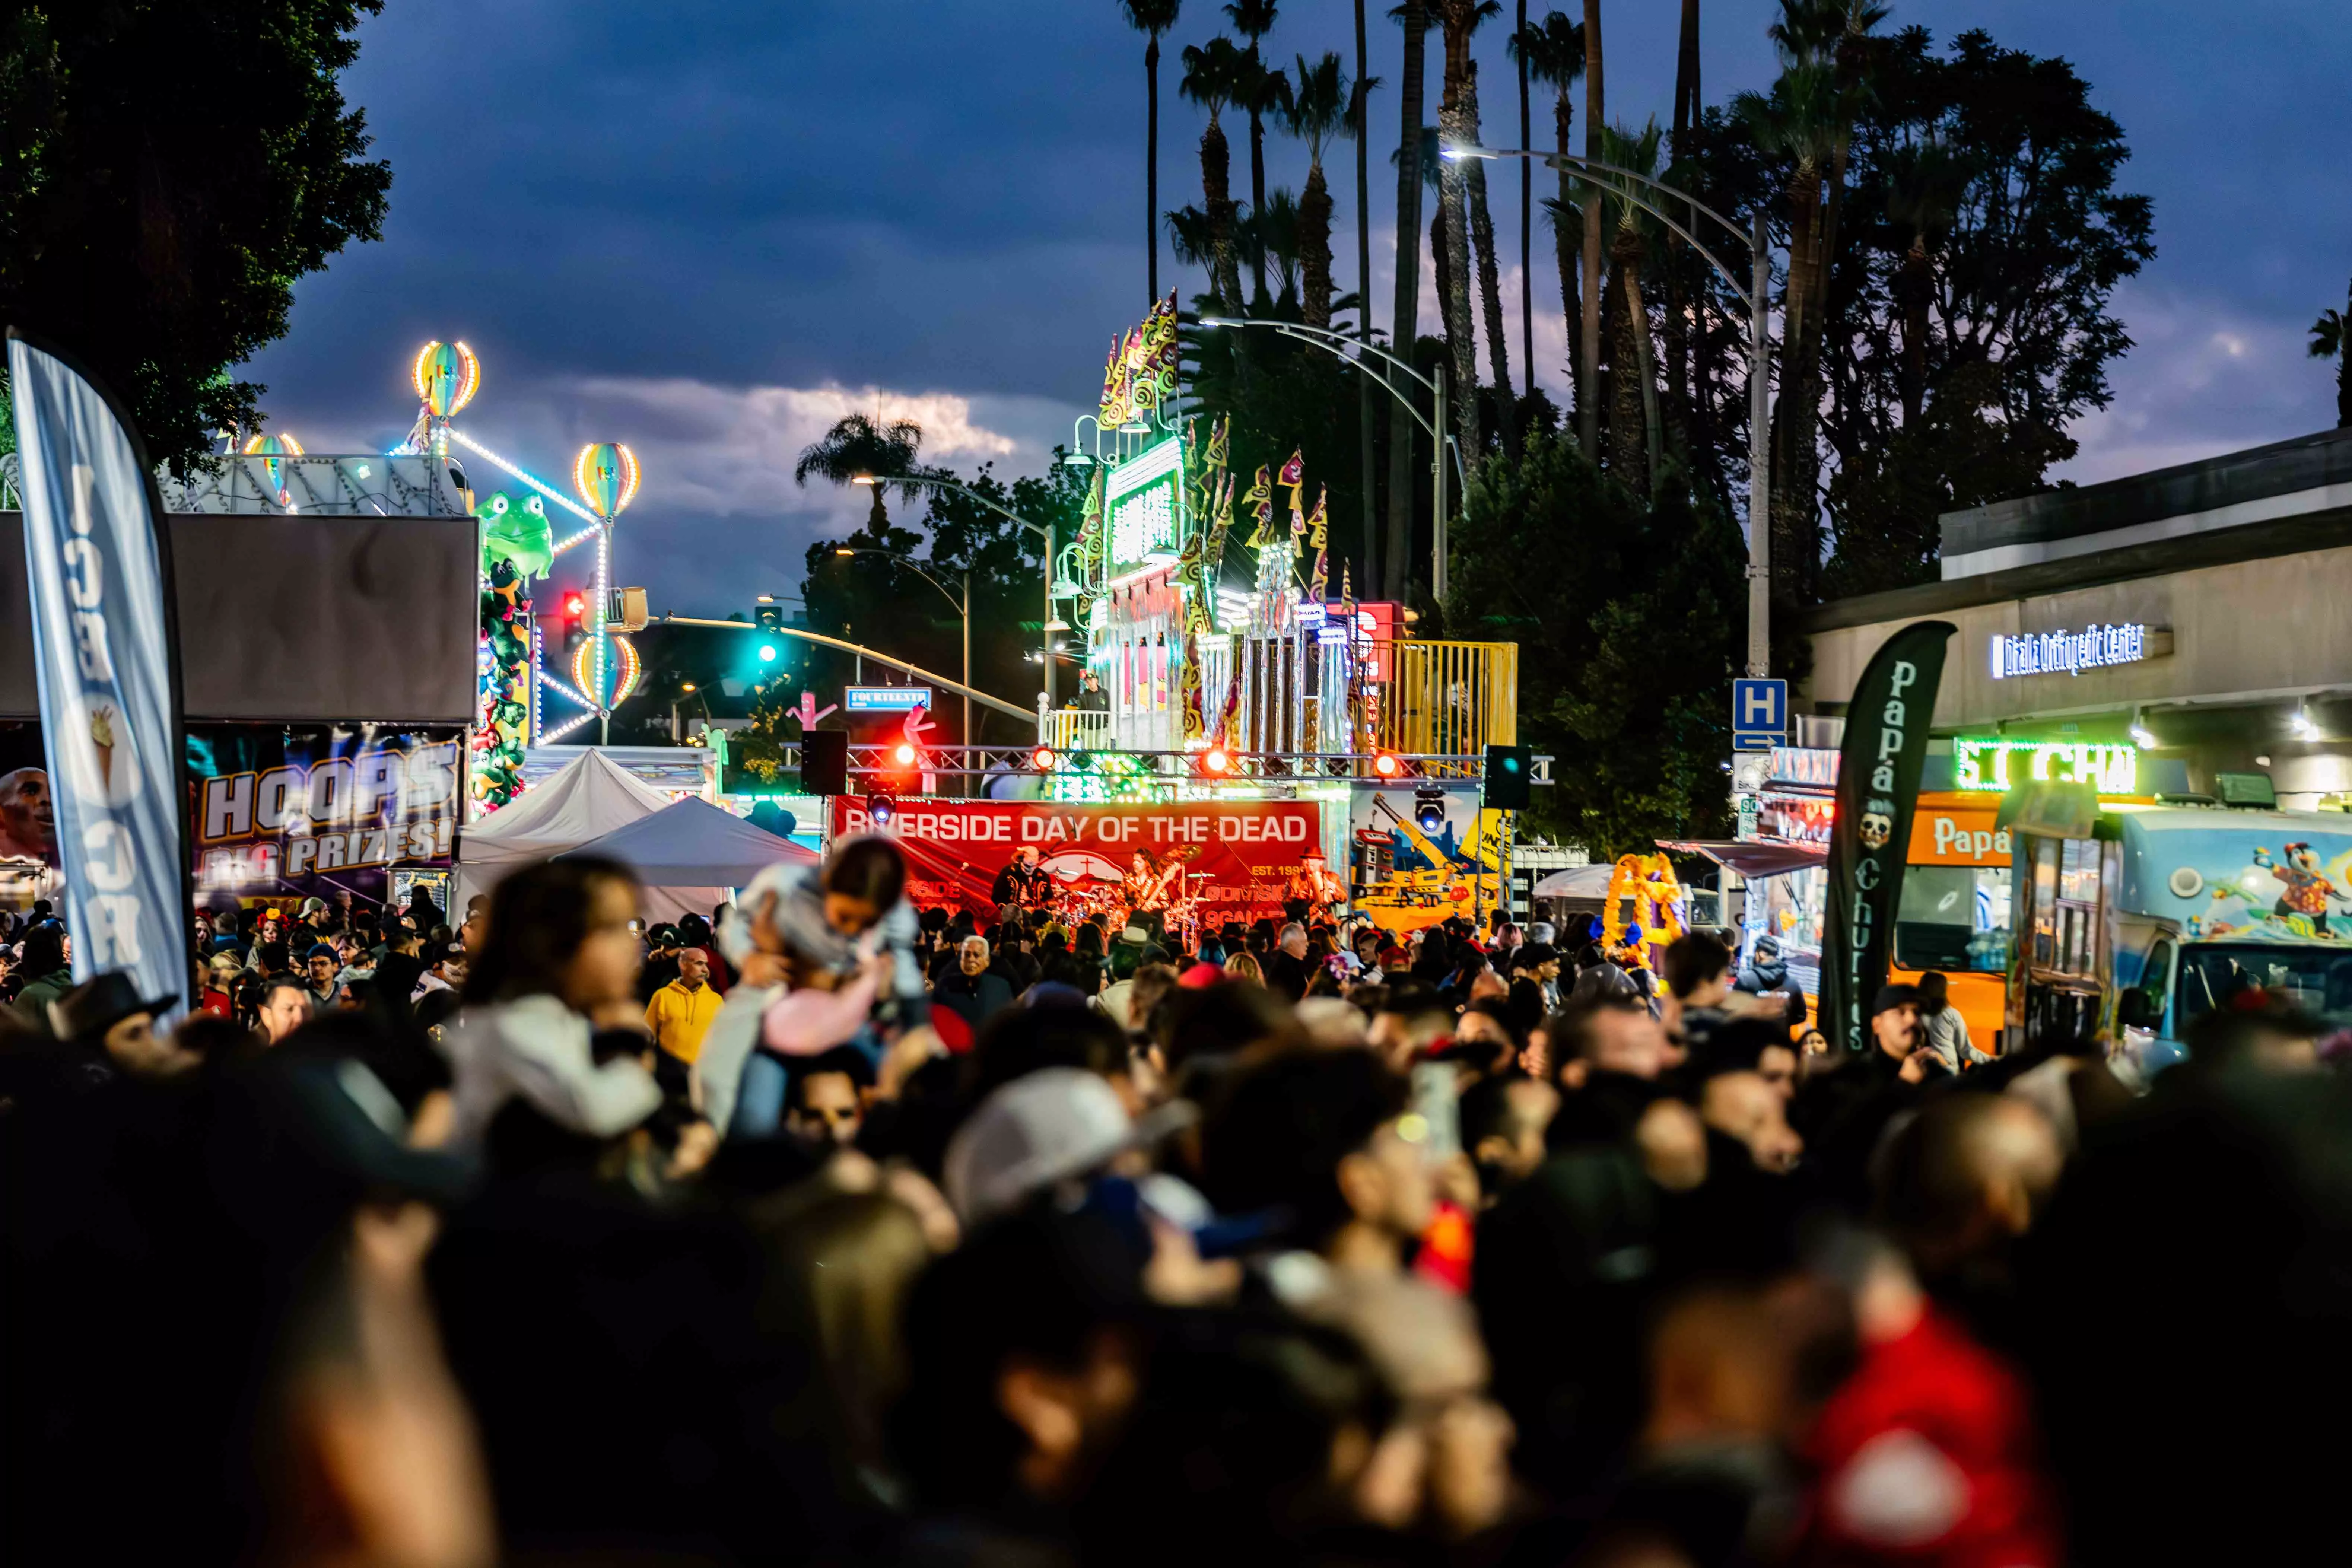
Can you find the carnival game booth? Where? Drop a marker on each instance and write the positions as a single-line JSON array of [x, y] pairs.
[[328, 678]]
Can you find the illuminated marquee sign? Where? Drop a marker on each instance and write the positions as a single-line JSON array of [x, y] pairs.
[[2093, 647], [1144, 502], [1995, 765], [886, 698]]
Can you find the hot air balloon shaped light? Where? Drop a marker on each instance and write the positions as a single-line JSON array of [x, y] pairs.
[[273, 451], [606, 475]]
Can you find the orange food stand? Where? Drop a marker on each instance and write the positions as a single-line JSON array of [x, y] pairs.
[[1954, 915]]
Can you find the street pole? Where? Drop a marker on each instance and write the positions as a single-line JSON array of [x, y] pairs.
[[1759, 461], [1045, 626], [968, 738], [1437, 501]]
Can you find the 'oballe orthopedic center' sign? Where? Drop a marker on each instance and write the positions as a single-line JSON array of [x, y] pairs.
[[2071, 653]]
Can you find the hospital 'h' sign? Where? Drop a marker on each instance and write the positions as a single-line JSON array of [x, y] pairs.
[[1760, 714]]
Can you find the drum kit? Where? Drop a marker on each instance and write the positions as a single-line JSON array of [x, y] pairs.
[[1183, 916]]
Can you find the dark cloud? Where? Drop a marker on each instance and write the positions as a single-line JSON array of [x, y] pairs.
[[696, 227]]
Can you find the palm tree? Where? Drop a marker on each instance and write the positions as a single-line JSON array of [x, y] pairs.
[[858, 444], [1255, 88], [1404, 325], [1687, 93], [1151, 18], [1211, 73], [1526, 214], [1457, 120], [1552, 52], [2331, 338], [1315, 108], [1274, 238], [1359, 127], [1635, 432], [1806, 119], [1588, 351]]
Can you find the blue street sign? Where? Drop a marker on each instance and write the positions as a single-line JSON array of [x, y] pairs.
[[1759, 715], [886, 698]]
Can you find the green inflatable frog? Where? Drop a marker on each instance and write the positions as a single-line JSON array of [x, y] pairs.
[[514, 528]]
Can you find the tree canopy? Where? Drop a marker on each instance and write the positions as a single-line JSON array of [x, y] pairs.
[[167, 172]]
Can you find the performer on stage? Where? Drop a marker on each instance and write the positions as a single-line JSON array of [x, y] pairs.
[[1310, 893], [1145, 886], [1022, 885]]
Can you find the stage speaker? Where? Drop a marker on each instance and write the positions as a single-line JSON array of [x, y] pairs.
[[825, 762]]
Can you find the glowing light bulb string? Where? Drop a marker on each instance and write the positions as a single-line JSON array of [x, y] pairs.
[[596, 523]]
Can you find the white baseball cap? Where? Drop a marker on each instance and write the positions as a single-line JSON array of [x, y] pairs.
[[1044, 1127]]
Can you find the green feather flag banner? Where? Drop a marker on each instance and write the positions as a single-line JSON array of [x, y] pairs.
[[1886, 747]]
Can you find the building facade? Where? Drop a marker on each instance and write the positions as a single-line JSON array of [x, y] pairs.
[[2199, 616]]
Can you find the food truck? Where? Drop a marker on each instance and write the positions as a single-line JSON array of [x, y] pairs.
[[1954, 912], [2138, 920]]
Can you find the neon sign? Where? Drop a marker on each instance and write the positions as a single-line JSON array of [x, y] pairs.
[[1144, 499], [1994, 765]]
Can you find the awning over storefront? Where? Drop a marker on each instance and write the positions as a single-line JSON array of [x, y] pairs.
[[1752, 858]]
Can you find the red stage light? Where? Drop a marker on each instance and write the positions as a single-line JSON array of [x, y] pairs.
[[904, 755], [1043, 758], [1386, 765], [1216, 760]]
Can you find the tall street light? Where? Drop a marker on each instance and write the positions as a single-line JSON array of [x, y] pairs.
[[940, 481], [1336, 344], [1757, 296], [963, 609]]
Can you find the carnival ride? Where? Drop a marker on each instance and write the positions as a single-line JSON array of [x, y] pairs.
[[518, 546]]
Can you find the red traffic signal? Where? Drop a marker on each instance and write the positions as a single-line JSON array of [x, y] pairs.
[[575, 604]]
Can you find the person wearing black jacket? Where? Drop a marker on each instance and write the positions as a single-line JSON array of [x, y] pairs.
[[970, 989]]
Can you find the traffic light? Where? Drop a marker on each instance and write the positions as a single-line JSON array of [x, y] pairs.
[[767, 616], [575, 622], [1507, 770]]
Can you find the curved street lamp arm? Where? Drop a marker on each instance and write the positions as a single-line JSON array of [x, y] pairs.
[[1335, 351], [909, 562], [1555, 160], [1301, 330], [943, 482], [874, 654]]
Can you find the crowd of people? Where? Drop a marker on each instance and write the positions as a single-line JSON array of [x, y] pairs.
[[830, 1230]]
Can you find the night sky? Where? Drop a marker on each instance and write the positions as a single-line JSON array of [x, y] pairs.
[[709, 229]]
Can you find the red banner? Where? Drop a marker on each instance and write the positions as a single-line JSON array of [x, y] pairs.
[[1235, 854]]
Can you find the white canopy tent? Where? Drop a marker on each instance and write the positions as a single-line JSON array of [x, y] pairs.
[[690, 855], [591, 798]]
